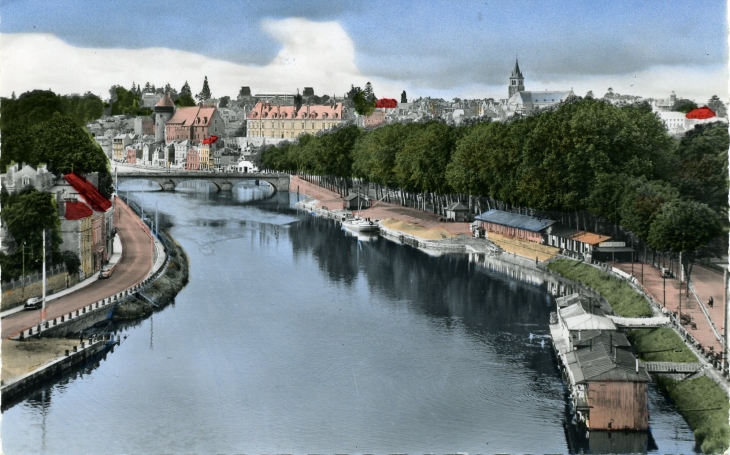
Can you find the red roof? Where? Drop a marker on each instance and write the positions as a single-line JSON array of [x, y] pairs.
[[75, 210], [88, 192], [388, 103], [701, 113]]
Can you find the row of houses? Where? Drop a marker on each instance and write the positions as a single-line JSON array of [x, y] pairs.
[[587, 245], [608, 385], [86, 216]]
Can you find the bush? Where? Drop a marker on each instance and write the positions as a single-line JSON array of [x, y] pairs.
[[705, 407], [624, 300], [647, 342]]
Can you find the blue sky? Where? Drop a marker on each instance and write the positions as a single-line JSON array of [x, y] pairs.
[[450, 48]]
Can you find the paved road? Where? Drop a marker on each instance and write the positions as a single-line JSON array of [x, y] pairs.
[[134, 266], [707, 283]]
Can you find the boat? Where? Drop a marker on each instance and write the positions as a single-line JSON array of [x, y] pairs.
[[360, 225]]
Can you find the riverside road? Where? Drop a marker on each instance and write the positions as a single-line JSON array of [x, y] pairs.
[[133, 267]]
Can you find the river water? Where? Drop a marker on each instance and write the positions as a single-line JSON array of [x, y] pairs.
[[294, 337]]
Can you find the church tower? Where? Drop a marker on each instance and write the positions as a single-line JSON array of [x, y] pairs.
[[516, 80]]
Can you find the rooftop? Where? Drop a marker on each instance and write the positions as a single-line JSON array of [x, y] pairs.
[[526, 222]]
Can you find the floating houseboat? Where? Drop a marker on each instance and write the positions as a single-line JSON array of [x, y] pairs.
[[608, 386]]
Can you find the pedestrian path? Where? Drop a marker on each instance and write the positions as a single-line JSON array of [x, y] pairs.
[[113, 260]]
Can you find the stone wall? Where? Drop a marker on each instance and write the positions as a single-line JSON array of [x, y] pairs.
[[16, 297]]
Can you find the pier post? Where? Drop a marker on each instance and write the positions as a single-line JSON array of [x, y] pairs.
[[66, 352], [75, 350]]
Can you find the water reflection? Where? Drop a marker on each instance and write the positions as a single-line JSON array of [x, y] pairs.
[[293, 337]]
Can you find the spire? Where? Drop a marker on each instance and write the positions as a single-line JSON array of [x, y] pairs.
[[516, 72]]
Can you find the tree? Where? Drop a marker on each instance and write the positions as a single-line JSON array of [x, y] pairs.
[[185, 89], [700, 169], [223, 102], [71, 261], [684, 227], [364, 103], [65, 146], [147, 88], [369, 93], [185, 100], [26, 214], [683, 105], [589, 94], [640, 203], [171, 91], [205, 93], [403, 98], [717, 106]]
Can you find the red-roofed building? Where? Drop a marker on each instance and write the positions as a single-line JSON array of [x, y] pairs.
[[194, 124], [90, 235], [701, 113], [76, 232]]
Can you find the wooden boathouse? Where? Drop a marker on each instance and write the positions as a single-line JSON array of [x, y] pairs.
[[607, 383]]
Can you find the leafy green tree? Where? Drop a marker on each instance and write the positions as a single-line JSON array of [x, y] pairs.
[[26, 214], [223, 102], [683, 105], [374, 153], [421, 164], [701, 165], [65, 146], [185, 100], [717, 106], [684, 227], [185, 89], [641, 201], [205, 92]]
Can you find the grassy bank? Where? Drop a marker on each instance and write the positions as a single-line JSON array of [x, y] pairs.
[[163, 290], [660, 345], [705, 407], [624, 300]]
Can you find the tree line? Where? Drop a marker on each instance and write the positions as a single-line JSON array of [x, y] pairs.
[[584, 155]]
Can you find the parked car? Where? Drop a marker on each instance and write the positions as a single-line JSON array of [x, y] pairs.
[[33, 303], [106, 271]]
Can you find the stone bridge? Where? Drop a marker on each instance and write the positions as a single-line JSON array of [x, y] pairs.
[[224, 181]]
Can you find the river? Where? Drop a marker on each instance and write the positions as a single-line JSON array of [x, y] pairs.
[[294, 337]]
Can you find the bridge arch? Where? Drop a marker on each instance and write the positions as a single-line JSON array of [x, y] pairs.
[[168, 181]]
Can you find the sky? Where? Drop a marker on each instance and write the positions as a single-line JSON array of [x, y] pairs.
[[448, 49]]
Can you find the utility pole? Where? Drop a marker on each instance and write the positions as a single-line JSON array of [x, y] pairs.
[[726, 332], [43, 301]]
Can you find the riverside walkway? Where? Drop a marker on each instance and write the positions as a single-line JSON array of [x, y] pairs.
[[135, 264], [705, 323]]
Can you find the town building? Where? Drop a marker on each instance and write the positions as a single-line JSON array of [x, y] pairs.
[[524, 102], [181, 152], [522, 227], [76, 231], [144, 126], [24, 175], [192, 159], [289, 122], [119, 146], [574, 242], [74, 187], [164, 110], [194, 124], [607, 384]]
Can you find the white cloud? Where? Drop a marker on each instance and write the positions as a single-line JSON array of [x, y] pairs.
[[315, 54]]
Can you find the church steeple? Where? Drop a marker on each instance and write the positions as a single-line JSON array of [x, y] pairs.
[[516, 80]]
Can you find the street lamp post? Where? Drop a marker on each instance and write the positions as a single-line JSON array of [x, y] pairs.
[[664, 288]]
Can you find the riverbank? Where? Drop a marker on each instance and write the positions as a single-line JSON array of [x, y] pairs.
[[710, 435], [163, 290]]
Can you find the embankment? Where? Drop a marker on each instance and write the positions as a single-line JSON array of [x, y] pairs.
[[163, 290]]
